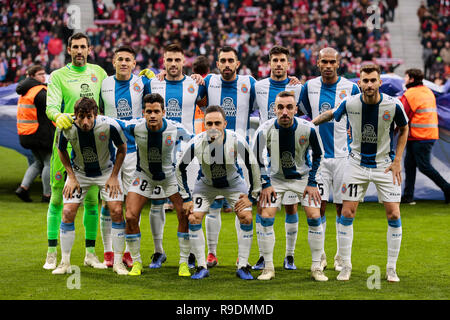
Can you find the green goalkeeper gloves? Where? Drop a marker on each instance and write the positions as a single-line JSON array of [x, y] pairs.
[[148, 73], [64, 120]]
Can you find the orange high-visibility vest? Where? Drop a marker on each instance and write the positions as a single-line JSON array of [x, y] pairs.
[[424, 122], [27, 119], [199, 123]]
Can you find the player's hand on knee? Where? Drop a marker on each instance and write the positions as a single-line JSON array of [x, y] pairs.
[[267, 196], [64, 120], [242, 203], [113, 186], [188, 208], [71, 186], [314, 194]]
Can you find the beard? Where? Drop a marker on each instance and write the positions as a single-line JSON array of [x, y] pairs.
[[229, 75]]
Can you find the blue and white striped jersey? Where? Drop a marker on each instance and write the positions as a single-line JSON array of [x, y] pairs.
[[286, 151], [318, 97], [236, 97], [156, 149], [123, 100], [372, 128], [180, 98], [93, 152], [219, 162], [266, 92]]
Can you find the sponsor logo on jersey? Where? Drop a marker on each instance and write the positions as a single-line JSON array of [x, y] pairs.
[[168, 141], [386, 116], [89, 156], [123, 109], [154, 155], [325, 107], [229, 107], [102, 136], [287, 161], [191, 89], [173, 109], [244, 88], [271, 114], [218, 171], [368, 134]]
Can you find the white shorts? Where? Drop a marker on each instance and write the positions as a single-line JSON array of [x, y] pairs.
[[329, 176], [294, 186], [127, 170], [289, 198], [87, 182], [145, 186], [356, 179], [204, 195]]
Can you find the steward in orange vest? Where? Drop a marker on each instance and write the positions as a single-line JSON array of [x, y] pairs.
[[35, 130], [420, 107]]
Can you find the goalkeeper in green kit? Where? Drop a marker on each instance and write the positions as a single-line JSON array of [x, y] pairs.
[[66, 85]]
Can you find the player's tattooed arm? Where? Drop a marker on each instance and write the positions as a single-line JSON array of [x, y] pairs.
[[324, 117]]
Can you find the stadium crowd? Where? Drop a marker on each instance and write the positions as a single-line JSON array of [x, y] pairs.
[[37, 32], [435, 33]]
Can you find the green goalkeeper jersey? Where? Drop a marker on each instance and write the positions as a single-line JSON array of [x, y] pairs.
[[70, 83]]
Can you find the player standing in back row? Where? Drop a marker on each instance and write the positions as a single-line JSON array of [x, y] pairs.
[[373, 117], [319, 95]]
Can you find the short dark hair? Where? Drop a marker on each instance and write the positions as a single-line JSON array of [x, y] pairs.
[[201, 65], [214, 108], [154, 98], [85, 105], [125, 48], [31, 71], [284, 94], [416, 74], [173, 47], [77, 36], [229, 49], [369, 68], [279, 50]]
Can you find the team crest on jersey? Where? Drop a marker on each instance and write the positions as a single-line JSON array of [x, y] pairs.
[[386, 116], [136, 182], [168, 141], [325, 107], [368, 134], [287, 161], [191, 89], [344, 188], [244, 88], [342, 94], [102, 136], [136, 87], [58, 175], [302, 140], [229, 107], [94, 77]]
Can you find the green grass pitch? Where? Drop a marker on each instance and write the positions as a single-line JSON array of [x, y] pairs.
[[423, 264]]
